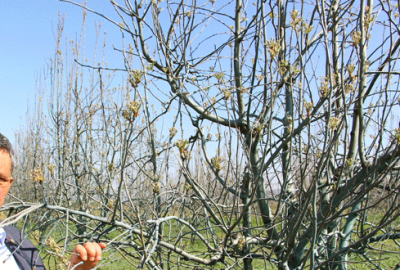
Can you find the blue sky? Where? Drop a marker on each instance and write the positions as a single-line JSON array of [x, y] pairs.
[[27, 41]]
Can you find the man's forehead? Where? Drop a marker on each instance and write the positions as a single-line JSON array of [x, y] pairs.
[[5, 152], [5, 160]]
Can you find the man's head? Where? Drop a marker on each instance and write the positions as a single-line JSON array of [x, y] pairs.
[[6, 167]]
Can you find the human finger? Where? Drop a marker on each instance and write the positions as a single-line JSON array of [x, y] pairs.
[[82, 252], [93, 251]]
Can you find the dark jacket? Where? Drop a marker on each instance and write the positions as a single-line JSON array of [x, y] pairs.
[[25, 253]]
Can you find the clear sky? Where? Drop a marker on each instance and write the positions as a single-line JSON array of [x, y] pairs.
[[27, 41]]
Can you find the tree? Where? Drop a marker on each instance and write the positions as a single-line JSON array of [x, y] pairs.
[[303, 171]]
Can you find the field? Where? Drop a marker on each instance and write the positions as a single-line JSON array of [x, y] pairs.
[[127, 258]]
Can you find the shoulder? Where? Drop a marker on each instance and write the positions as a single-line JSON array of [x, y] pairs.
[[24, 251], [13, 233]]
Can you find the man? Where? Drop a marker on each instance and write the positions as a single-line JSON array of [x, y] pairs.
[[17, 252]]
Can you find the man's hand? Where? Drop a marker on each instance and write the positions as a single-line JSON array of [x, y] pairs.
[[87, 256]]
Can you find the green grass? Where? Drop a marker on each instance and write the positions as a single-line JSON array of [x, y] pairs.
[[119, 259]]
